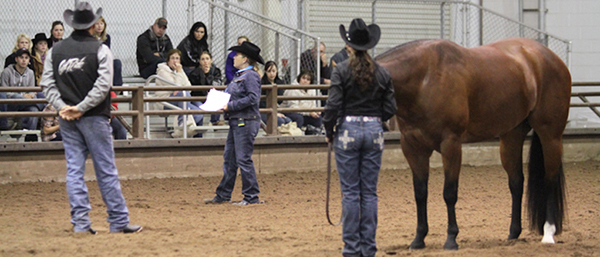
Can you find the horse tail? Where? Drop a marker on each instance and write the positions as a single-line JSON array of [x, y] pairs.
[[545, 196]]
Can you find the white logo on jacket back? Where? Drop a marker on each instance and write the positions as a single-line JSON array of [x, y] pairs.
[[68, 65]]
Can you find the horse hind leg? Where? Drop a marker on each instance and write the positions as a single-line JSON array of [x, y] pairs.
[[511, 154], [417, 157], [451, 158]]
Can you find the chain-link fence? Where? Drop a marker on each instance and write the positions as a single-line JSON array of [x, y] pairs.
[[402, 21], [283, 29]]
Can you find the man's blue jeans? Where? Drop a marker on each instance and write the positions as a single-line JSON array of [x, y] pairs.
[[238, 153], [93, 135], [358, 149]]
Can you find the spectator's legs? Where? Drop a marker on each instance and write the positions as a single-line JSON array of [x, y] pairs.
[[198, 118], [29, 123], [3, 108], [316, 122], [214, 118], [118, 130], [150, 69], [117, 76], [98, 136], [297, 117]]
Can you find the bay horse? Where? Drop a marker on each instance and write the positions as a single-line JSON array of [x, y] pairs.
[[448, 95]]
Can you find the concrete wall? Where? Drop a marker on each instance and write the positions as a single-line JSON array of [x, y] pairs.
[[192, 158]]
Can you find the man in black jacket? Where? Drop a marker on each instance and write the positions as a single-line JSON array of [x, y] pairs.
[[77, 78], [152, 47]]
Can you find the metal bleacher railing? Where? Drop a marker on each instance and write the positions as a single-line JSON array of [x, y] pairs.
[[139, 113]]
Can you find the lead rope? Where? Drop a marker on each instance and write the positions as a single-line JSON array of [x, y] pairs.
[[329, 150]]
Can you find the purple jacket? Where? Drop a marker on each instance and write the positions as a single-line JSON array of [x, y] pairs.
[[229, 69]]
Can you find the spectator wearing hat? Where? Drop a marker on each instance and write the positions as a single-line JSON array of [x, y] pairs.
[[77, 80], [244, 122], [152, 47], [360, 98], [23, 41], [56, 33], [40, 48], [19, 75]]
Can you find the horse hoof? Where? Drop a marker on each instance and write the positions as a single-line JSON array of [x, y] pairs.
[[417, 245], [513, 237], [453, 246]]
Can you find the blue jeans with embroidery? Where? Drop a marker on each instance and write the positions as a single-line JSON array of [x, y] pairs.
[[93, 135], [238, 153], [358, 148]]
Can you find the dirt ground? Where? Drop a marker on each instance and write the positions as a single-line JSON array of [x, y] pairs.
[[34, 218]]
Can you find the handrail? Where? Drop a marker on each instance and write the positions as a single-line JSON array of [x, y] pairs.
[[264, 17], [138, 99]]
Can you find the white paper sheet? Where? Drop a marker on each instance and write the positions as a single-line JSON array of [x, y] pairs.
[[215, 100]]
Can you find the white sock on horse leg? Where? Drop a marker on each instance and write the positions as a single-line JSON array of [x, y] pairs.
[[549, 231]]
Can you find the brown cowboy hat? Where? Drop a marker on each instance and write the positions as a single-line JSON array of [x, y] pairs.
[[250, 50], [360, 36], [83, 17]]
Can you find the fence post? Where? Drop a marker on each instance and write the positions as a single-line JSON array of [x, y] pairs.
[[373, 20], [277, 47], [442, 19], [137, 104], [272, 117]]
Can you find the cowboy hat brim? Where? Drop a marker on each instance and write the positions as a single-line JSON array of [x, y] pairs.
[[374, 35], [250, 54], [69, 14]]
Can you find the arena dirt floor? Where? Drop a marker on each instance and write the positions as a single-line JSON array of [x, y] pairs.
[[34, 218]]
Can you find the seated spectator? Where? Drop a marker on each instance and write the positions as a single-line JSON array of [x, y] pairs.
[[308, 61], [100, 34], [56, 33], [192, 46], [173, 71], [152, 48], [207, 74], [229, 69], [40, 48], [271, 77], [19, 75], [339, 57], [23, 41], [50, 126], [312, 120], [119, 131]]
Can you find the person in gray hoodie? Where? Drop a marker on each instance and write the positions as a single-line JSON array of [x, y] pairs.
[[19, 75]]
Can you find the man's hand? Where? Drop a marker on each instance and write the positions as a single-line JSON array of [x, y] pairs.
[[70, 113], [29, 96], [157, 54], [314, 115], [225, 108]]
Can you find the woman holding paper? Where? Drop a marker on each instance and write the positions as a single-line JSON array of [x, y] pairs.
[[244, 122], [173, 71]]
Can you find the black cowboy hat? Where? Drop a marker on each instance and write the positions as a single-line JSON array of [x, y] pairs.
[[360, 36], [83, 17], [250, 50], [39, 37]]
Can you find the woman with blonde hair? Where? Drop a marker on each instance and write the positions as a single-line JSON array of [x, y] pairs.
[[101, 35], [23, 41]]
